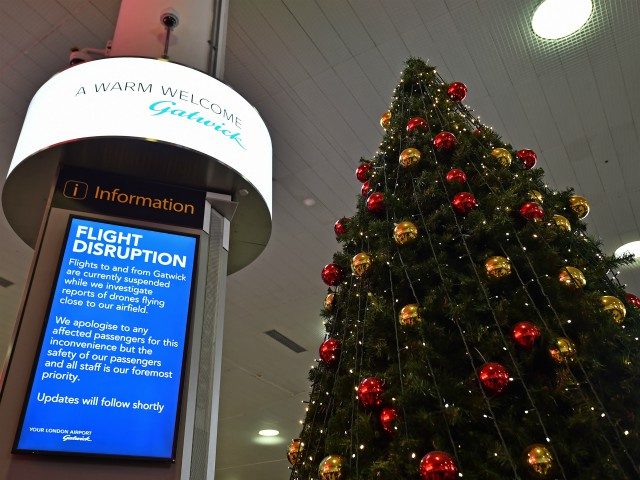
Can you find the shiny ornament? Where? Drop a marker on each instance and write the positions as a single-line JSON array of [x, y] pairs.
[[497, 267], [579, 205], [525, 334], [332, 274], [502, 155], [572, 278], [363, 171], [360, 263], [328, 301], [562, 223], [444, 141], [330, 351], [532, 211], [535, 196], [494, 378], [385, 119], [409, 315], [563, 350], [527, 157], [438, 466], [370, 392], [409, 157], [365, 189], [632, 300], [455, 175], [538, 461], [294, 452], [332, 467], [389, 420], [464, 202], [405, 232], [417, 123], [375, 202], [614, 306], [340, 227], [457, 91]]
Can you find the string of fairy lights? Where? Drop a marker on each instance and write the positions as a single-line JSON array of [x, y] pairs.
[[440, 107]]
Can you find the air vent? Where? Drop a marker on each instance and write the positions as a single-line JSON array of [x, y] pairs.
[[287, 342], [5, 283]]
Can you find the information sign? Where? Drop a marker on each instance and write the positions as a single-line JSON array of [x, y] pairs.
[[107, 378]]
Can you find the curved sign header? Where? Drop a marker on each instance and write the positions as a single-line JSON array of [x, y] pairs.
[[154, 100]]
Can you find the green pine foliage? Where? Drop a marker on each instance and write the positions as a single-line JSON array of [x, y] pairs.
[[588, 405]]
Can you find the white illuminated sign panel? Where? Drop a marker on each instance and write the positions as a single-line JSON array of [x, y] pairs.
[[155, 100]]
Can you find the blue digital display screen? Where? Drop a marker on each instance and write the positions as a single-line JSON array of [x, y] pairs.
[[107, 379]]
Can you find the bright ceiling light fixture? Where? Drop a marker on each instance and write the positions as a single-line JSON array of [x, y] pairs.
[[555, 19], [269, 432], [631, 247]]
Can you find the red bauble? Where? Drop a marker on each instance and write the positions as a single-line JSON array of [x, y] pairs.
[[417, 123], [477, 132], [455, 175], [330, 351], [370, 392], [365, 189], [632, 300], [340, 227], [525, 334], [375, 202], [438, 466], [362, 172], [527, 157], [464, 202], [332, 274], [494, 378], [457, 91], [532, 211], [444, 141], [389, 420]]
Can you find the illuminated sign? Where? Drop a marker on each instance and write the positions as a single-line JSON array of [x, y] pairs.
[[154, 100], [108, 375], [85, 190]]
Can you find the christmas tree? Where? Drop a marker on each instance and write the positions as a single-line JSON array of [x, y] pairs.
[[473, 329]]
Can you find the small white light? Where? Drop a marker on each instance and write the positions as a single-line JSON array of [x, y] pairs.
[[269, 432], [309, 202], [555, 19]]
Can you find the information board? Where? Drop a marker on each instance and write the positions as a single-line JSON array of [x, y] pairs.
[[107, 378]]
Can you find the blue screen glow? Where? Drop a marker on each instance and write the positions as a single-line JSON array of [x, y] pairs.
[[107, 379]]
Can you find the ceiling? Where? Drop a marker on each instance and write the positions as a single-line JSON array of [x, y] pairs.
[[321, 72]]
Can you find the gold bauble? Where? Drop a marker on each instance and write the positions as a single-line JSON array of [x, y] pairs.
[[409, 315], [579, 205], [385, 119], [562, 223], [360, 263], [538, 461], [405, 232], [615, 307], [536, 196], [331, 468], [294, 452], [572, 277], [410, 157], [328, 301], [497, 267], [502, 155], [563, 350]]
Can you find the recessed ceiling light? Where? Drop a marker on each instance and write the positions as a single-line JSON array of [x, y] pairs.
[[632, 247], [309, 202], [269, 432], [555, 19]]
